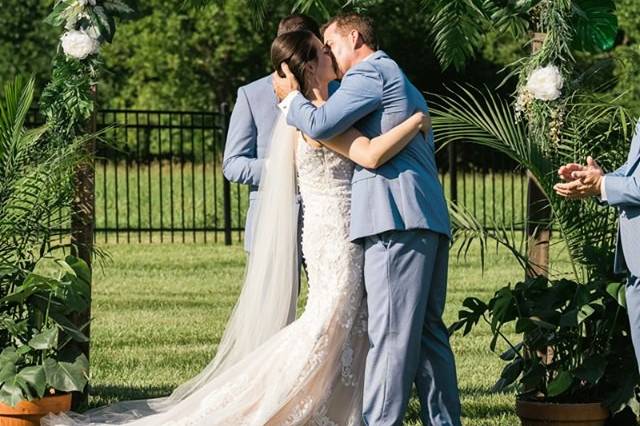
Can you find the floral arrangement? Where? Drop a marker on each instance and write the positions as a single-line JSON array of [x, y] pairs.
[[67, 102], [542, 89], [545, 85]]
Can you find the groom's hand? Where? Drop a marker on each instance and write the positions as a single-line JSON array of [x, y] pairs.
[[284, 85]]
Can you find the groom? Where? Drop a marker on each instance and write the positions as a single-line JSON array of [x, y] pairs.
[[620, 189], [400, 217]]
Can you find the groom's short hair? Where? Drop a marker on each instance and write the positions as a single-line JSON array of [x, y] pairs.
[[299, 22], [354, 21]]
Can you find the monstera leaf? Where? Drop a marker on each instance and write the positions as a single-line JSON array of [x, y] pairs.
[[595, 24]]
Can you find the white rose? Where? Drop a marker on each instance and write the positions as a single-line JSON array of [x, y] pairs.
[[545, 83], [79, 44]]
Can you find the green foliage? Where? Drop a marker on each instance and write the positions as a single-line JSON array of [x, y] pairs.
[[573, 346], [173, 58], [457, 27], [481, 117], [67, 101], [595, 25], [26, 45], [35, 193], [541, 310], [627, 12]]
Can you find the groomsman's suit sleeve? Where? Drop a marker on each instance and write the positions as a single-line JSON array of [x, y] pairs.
[[359, 94], [622, 191], [618, 189], [240, 162]]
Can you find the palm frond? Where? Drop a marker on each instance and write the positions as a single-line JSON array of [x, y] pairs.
[[457, 28], [477, 116], [481, 117], [468, 229]]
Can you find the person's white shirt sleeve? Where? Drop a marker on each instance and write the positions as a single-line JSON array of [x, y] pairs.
[[603, 191], [286, 102]]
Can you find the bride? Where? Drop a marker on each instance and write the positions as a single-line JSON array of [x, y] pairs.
[[270, 369]]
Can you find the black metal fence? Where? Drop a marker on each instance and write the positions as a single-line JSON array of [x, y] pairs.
[[159, 179]]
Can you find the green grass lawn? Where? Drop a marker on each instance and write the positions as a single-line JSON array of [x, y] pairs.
[[159, 311]]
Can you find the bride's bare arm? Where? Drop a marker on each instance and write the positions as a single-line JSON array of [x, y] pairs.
[[372, 153]]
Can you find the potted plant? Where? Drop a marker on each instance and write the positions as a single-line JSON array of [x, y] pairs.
[[571, 357], [39, 367], [40, 288]]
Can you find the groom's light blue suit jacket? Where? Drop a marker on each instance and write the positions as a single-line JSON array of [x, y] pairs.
[[403, 194], [248, 139], [622, 189]]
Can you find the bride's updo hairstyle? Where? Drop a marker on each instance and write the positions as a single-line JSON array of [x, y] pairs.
[[296, 49]]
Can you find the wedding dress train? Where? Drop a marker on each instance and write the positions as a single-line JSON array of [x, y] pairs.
[[311, 371]]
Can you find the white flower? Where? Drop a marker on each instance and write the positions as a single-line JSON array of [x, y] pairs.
[[84, 2], [79, 44], [545, 83]]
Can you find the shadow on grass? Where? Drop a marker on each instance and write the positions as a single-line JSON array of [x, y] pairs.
[[477, 409], [106, 394]]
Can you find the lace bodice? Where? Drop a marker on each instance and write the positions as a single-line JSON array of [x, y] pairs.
[[323, 172]]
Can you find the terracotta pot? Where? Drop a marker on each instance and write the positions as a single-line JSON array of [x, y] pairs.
[[550, 414], [29, 413]]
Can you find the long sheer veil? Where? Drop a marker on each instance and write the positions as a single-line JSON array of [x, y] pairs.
[[267, 302]]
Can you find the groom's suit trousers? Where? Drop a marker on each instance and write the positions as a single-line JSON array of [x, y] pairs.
[[406, 280]]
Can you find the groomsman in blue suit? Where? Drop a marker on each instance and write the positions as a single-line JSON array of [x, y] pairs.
[[252, 120], [399, 215], [620, 189]]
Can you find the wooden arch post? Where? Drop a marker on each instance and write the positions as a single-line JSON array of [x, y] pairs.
[[82, 231], [538, 211]]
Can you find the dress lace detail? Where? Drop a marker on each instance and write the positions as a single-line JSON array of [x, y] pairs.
[[312, 371]]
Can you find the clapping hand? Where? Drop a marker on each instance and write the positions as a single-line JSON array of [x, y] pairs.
[[581, 181]]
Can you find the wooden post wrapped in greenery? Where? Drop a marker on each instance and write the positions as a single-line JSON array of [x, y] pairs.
[[538, 210], [541, 102], [68, 104]]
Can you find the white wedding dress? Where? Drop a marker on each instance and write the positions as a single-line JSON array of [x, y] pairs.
[[311, 372]]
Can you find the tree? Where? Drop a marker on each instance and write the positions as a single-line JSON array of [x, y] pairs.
[[26, 44], [174, 58]]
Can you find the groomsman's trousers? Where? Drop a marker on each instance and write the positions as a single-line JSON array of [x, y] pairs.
[[633, 309], [406, 284]]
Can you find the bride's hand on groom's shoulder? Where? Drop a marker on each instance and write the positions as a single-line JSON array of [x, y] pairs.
[[423, 120], [284, 85], [425, 127]]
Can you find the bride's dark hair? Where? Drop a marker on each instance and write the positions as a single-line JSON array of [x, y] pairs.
[[296, 49]]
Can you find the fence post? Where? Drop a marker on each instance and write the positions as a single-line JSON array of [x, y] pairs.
[[453, 173], [226, 185], [82, 227]]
